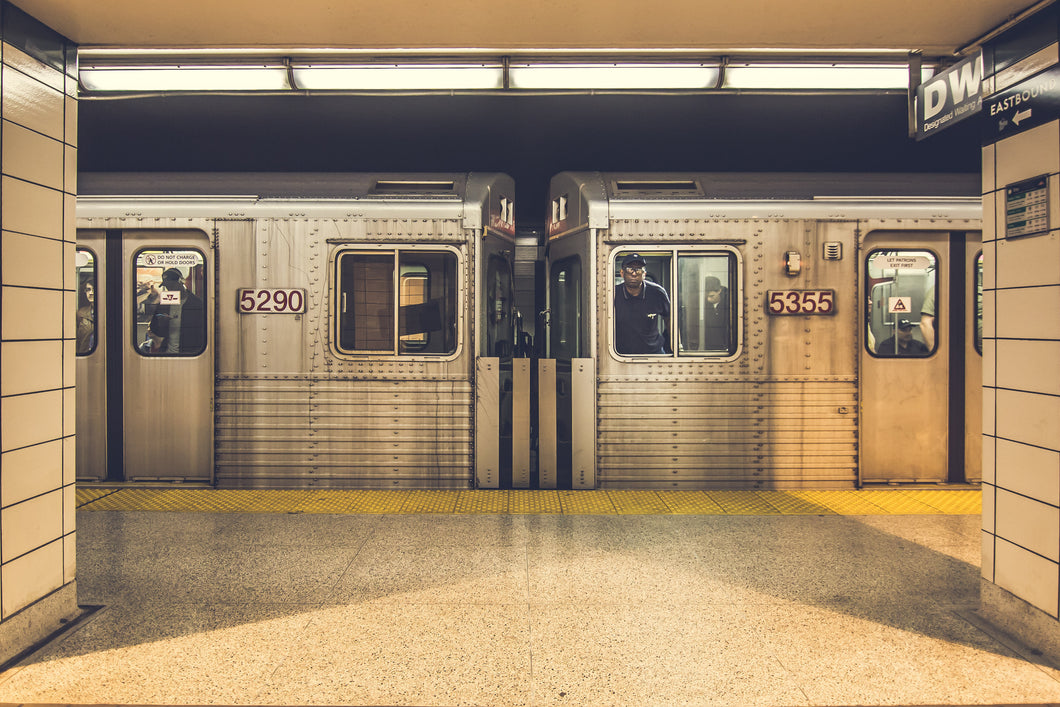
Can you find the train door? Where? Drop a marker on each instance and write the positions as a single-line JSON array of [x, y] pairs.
[[502, 374], [918, 359], [566, 420], [145, 409]]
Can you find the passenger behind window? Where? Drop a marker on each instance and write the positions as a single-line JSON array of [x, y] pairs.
[[642, 311], [716, 317], [86, 317], [157, 341], [907, 345], [927, 318], [187, 330]]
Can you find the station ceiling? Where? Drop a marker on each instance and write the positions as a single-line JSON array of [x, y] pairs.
[[937, 27], [529, 137]]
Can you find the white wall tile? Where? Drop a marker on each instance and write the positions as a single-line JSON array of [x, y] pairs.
[[989, 411], [1030, 577], [989, 494], [70, 217], [70, 170], [989, 453], [71, 121], [1029, 524], [31, 524], [31, 208], [30, 366], [32, 261], [33, 157], [69, 558], [1027, 313], [1023, 262], [30, 577], [30, 419], [69, 362], [69, 411], [69, 509], [990, 217], [989, 361], [1027, 417], [990, 314], [1030, 471], [987, 561], [69, 307], [69, 459], [32, 104], [18, 59], [989, 265], [30, 472], [1029, 154], [1033, 366], [988, 168], [32, 314]]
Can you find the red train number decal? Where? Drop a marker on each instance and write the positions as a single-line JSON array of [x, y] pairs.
[[800, 301], [271, 301]]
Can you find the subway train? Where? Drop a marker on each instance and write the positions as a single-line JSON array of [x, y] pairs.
[[668, 331]]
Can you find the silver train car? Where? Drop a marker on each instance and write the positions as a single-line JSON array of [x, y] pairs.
[[290, 330], [814, 331], [394, 331]]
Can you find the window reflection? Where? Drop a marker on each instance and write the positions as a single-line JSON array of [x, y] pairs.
[[85, 331], [425, 303], [169, 308], [901, 319]]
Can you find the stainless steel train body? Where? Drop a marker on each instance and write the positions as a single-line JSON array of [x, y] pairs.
[[313, 330], [795, 352]]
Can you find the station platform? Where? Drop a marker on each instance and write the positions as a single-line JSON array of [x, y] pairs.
[[201, 596]]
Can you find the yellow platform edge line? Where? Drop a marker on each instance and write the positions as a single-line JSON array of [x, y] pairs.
[[535, 502]]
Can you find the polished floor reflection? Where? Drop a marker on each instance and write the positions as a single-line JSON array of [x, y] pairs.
[[500, 609]]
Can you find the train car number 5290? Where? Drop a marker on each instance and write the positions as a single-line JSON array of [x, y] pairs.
[[271, 301], [800, 301]]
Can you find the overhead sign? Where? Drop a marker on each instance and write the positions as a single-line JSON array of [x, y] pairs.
[[901, 262], [1026, 105], [950, 97]]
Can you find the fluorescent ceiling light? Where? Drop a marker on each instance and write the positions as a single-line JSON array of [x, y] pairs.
[[184, 78], [612, 76], [818, 76], [398, 77]]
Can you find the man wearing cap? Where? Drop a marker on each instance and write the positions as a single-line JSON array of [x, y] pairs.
[[187, 325], [907, 345], [642, 311]]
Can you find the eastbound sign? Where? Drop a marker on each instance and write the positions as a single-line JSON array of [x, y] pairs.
[[1026, 105]]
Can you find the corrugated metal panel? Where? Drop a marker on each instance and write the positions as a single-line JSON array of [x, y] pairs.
[[753, 434], [369, 433]]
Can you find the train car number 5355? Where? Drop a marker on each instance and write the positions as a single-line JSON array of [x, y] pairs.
[[800, 301], [271, 301]]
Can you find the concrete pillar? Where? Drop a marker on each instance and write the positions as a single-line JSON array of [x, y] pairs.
[[38, 161], [1021, 337]]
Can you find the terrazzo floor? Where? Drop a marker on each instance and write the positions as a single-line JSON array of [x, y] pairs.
[[440, 609]]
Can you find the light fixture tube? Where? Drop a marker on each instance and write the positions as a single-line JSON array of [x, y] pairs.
[[398, 77], [184, 78], [818, 76], [616, 76]]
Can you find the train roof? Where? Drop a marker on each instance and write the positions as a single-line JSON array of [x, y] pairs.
[[478, 198], [594, 199]]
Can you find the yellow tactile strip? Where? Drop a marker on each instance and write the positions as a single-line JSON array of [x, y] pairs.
[[535, 502]]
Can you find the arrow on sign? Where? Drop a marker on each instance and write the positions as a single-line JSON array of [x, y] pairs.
[[1021, 115]]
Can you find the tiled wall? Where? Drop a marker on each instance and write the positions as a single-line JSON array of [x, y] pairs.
[[38, 166], [1021, 396]]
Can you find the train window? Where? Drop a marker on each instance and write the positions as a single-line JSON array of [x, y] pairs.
[[169, 308], [698, 287], [85, 324], [901, 318], [979, 303], [421, 319], [499, 296], [565, 291]]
